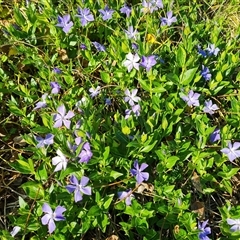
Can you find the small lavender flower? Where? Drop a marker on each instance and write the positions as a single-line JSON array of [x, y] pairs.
[[215, 135], [131, 33], [83, 46], [57, 70], [59, 161], [94, 92], [204, 231], [127, 195], [41, 104], [126, 10], [135, 110], [62, 118], [210, 107], [201, 51], [86, 153], [212, 50], [148, 6], [232, 151], [191, 99], [85, 16], [134, 46], [235, 224], [65, 23], [205, 73], [106, 13], [55, 87], [158, 3], [15, 231], [132, 61], [99, 47], [50, 216], [108, 101], [168, 20], [79, 188], [48, 140], [148, 62], [138, 172], [131, 97]]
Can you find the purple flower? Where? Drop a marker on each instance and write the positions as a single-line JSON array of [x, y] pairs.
[[232, 151], [205, 73], [168, 20], [131, 61], [83, 46], [85, 16], [135, 110], [62, 118], [41, 104], [201, 51], [57, 70], [50, 216], [158, 3], [148, 62], [235, 224], [191, 99], [45, 141], [212, 50], [138, 172], [131, 96], [215, 135], [79, 188], [99, 47], [106, 13], [128, 196], [126, 10], [94, 92], [204, 230], [59, 161], [131, 33], [65, 23], [108, 101], [134, 46], [210, 107], [55, 87], [148, 6], [86, 153]]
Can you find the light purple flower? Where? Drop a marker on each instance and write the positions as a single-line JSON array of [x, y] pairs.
[[215, 135], [106, 13], [127, 195], [212, 50], [168, 20], [50, 216], [232, 151], [79, 188], [157, 3], [57, 70], [15, 231], [99, 47], [138, 172], [131, 97], [94, 92], [132, 61], [201, 51], [65, 23], [108, 101], [205, 73], [44, 141], [148, 6], [134, 46], [126, 10], [83, 46], [131, 33], [86, 153], [148, 62], [209, 107], [55, 87], [204, 230], [62, 118], [85, 16], [235, 224], [59, 161], [135, 110], [41, 104], [191, 99]]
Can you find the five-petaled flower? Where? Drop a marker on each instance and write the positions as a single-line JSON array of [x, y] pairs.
[[204, 230], [138, 172], [55, 87], [99, 47], [215, 135], [59, 161], [131, 62], [131, 33], [65, 23], [209, 107], [79, 188], [94, 92], [235, 224], [86, 153], [131, 97], [62, 118], [205, 73], [135, 110], [212, 50], [191, 99], [106, 13], [168, 20], [50, 216], [127, 196], [148, 62], [126, 10], [44, 141], [85, 16], [232, 151]]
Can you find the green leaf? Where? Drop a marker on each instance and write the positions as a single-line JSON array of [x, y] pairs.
[[94, 211], [22, 203], [22, 166], [181, 57], [41, 173], [188, 76], [148, 148], [171, 161], [33, 189], [105, 77], [107, 201], [115, 174]]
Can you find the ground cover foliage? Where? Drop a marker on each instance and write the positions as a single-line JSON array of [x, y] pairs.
[[119, 120]]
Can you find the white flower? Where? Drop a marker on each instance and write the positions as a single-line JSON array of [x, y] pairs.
[[60, 161], [131, 62], [15, 230]]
